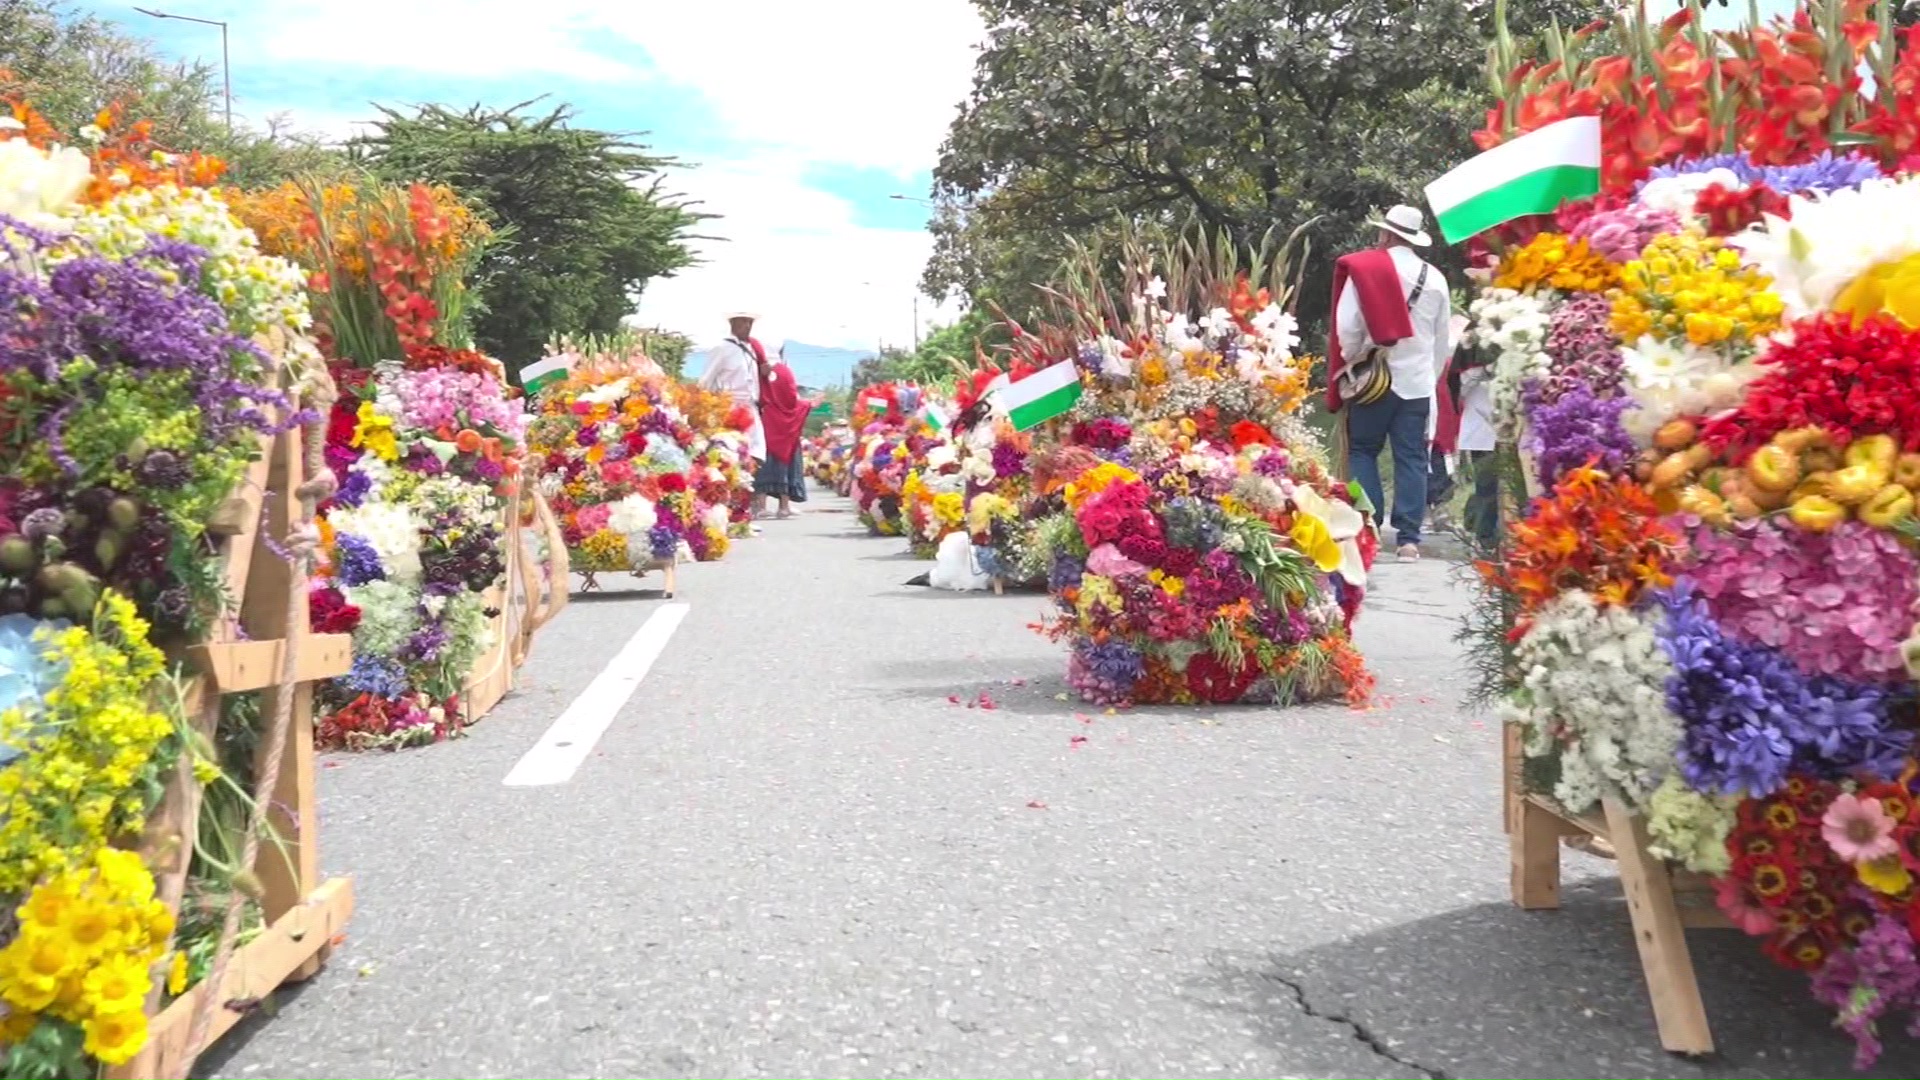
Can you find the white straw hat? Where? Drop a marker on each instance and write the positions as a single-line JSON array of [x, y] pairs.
[[1405, 222]]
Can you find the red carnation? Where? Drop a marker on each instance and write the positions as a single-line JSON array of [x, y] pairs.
[[1212, 681], [673, 482], [1247, 433], [329, 612]]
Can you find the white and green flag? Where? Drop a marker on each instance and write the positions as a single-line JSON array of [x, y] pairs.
[[1533, 174], [544, 372], [1043, 395], [935, 419]]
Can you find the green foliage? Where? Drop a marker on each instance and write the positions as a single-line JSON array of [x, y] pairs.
[[1248, 115], [589, 223], [668, 348], [940, 357], [71, 65]]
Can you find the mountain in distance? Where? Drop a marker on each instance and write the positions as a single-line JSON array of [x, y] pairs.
[[814, 366]]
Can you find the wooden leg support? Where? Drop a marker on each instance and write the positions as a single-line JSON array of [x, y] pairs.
[[1535, 843], [670, 578], [1661, 936]]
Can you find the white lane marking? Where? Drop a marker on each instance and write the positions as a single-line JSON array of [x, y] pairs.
[[565, 745]]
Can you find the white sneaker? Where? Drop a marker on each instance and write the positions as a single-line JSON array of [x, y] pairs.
[[1409, 553]]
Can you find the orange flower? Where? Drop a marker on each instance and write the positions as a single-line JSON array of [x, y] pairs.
[[1595, 532], [467, 441]]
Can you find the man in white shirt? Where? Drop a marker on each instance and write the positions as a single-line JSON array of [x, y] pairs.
[[733, 368], [1405, 417]]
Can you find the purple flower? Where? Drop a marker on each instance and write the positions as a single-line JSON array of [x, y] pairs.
[[424, 645], [1826, 173], [130, 320], [1750, 717], [1065, 573], [353, 490], [381, 676], [1566, 434], [357, 560], [1876, 976], [1105, 673], [663, 541], [1583, 348]]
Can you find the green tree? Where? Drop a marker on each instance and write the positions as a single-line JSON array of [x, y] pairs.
[[1241, 114], [70, 65], [586, 219], [668, 348]]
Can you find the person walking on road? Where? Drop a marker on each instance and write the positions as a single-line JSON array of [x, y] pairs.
[[733, 368], [1386, 362], [783, 415]]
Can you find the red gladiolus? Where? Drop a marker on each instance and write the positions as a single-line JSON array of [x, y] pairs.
[[1844, 378]]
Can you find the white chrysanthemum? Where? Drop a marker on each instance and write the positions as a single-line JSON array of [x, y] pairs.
[[1593, 695], [1677, 194], [1833, 239], [717, 518], [632, 516], [391, 529], [1515, 325]]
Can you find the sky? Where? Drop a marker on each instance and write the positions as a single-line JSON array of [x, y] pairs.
[[797, 120]]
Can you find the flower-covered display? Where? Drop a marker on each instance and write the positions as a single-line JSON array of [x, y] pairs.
[[883, 455], [830, 458], [1713, 585], [427, 457], [144, 343], [425, 442], [1200, 552], [633, 481]]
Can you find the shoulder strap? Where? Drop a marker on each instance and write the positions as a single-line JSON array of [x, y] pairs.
[[1419, 285]]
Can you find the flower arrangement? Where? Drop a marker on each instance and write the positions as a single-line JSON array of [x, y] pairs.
[[829, 458], [426, 455], [145, 339], [883, 455], [632, 480], [1712, 593], [1199, 552]]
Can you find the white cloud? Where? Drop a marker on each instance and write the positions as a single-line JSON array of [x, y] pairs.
[[795, 256], [860, 82], [793, 86]]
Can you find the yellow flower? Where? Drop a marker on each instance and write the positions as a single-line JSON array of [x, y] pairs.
[[1893, 288], [1886, 875], [1174, 586], [115, 1037], [119, 983], [1315, 541], [177, 974]]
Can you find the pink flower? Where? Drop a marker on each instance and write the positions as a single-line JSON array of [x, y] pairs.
[[1731, 897], [1107, 561], [1858, 830]]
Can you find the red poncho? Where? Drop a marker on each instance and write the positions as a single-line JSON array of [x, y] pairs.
[[782, 412]]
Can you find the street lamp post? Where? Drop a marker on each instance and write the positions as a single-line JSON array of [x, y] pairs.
[[226, 68]]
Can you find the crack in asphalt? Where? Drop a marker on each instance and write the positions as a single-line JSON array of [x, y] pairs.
[[1361, 1033]]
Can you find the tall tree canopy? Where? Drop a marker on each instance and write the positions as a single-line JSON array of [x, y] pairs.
[[70, 65], [586, 223], [1245, 114]]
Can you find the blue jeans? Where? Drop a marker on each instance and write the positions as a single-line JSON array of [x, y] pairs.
[[1403, 424]]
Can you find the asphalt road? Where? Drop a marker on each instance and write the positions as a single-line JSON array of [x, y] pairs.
[[798, 852]]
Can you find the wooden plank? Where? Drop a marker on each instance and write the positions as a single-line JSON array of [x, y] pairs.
[[258, 969], [239, 515], [238, 666], [1534, 851], [1660, 935], [289, 864]]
